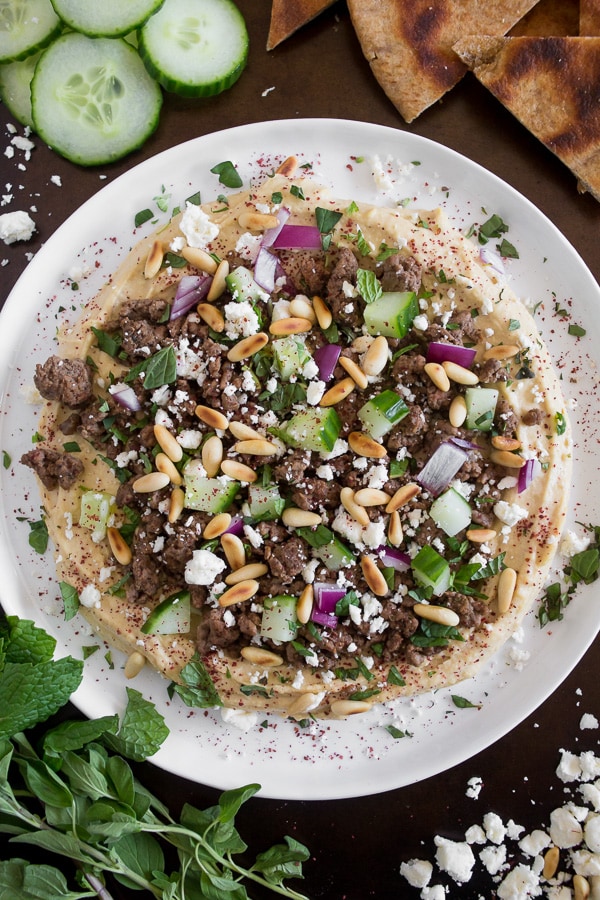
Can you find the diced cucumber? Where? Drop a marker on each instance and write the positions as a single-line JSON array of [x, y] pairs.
[[290, 356], [451, 512], [171, 616], [92, 99], [430, 569], [15, 87], [392, 313], [381, 413], [279, 622], [110, 18], [26, 26], [242, 286], [265, 503], [211, 495], [96, 508], [312, 429], [481, 407], [195, 49], [335, 555]]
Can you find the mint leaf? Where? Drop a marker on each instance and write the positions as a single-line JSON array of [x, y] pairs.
[[197, 688], [228, 174], [75, 735], [21, 880], [70, 599], [24, 642], [38, 536], [32, 693], [368, 285], [157, 370], [142, 731]]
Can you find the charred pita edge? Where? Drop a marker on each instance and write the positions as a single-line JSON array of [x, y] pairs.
[[589, 18], [552, 86], [288, 16]]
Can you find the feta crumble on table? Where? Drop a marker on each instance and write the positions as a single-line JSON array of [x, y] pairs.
[[16, 226]]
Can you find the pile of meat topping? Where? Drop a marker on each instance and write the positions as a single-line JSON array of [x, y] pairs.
[[345, 492]]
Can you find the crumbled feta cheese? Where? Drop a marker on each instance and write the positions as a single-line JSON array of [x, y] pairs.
[[248, 246], [240, 718], [197, 227], [588, 721], [494, 827], [573, 543], [203, 567], [240, 319], [90, 597], [509, 513], [417, 872], [454, 857], [533, 844], [314, 392], [519, 884], [421, 322], [565, 830], [16, 226], [493, 858], [474, 787]]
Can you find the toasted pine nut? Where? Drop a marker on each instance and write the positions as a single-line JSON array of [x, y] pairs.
[[218, 283], [337, 393], [440, 614], [248, 346], [480, 535], [212, 316], [287, 167], [200, 259], [233, 548], [371, 497], [364, 445], [376, 358], [250, 570], [322, 312], [507, 459], [154, 260], [501, 351], [238, 471], [294, 517], [217, 526], [176, 504], [395, 533], [374, 576], [581, 888], [507, 583], [255, 447], [166, 465], [168, 443], [551, 860], [354, 371], [458, 411], [134, 665], [302, 307], [258, 656], [403, 495], [343, 708], [302, 704], [362, 343], [290, 325], [459, 374], [212, 417], [505, 443], [305, 604], [153, 481], [119, 546], [358, 513], [240, 592], [252, 220], [212, 455], [243, 432], [437, 374]]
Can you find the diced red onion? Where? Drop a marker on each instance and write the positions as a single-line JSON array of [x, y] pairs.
[[236, 526], [439, 352], [327, 595], [441, 467], [271, 234], [126, 397], [490, 258], [397, 559], [326, 358], [265, 270], [527, 473], [190, 290], [302, 237], [323, 618]]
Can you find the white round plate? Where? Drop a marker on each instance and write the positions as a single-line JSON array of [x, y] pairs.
[[328, 759]]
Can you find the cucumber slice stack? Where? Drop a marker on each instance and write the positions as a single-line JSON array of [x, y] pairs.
[[87, 77]]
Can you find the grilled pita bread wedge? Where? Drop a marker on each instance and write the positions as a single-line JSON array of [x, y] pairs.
[[551, 85], [550, 17], [287, 16], [409, 44], [589, 17]]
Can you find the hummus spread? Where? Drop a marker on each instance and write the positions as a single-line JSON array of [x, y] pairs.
[[371, 433]]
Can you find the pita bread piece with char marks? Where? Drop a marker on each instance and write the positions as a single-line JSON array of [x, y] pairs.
[[550, 17], [589, 17], [287, 16], [409, 44], [552, 85]]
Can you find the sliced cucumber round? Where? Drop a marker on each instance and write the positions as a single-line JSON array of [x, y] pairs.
[[196, 48], [26, 26], [92, 99], [15, 87], [110, 18]]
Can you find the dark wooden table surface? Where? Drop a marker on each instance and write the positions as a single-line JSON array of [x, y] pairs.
[[358, 844]]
